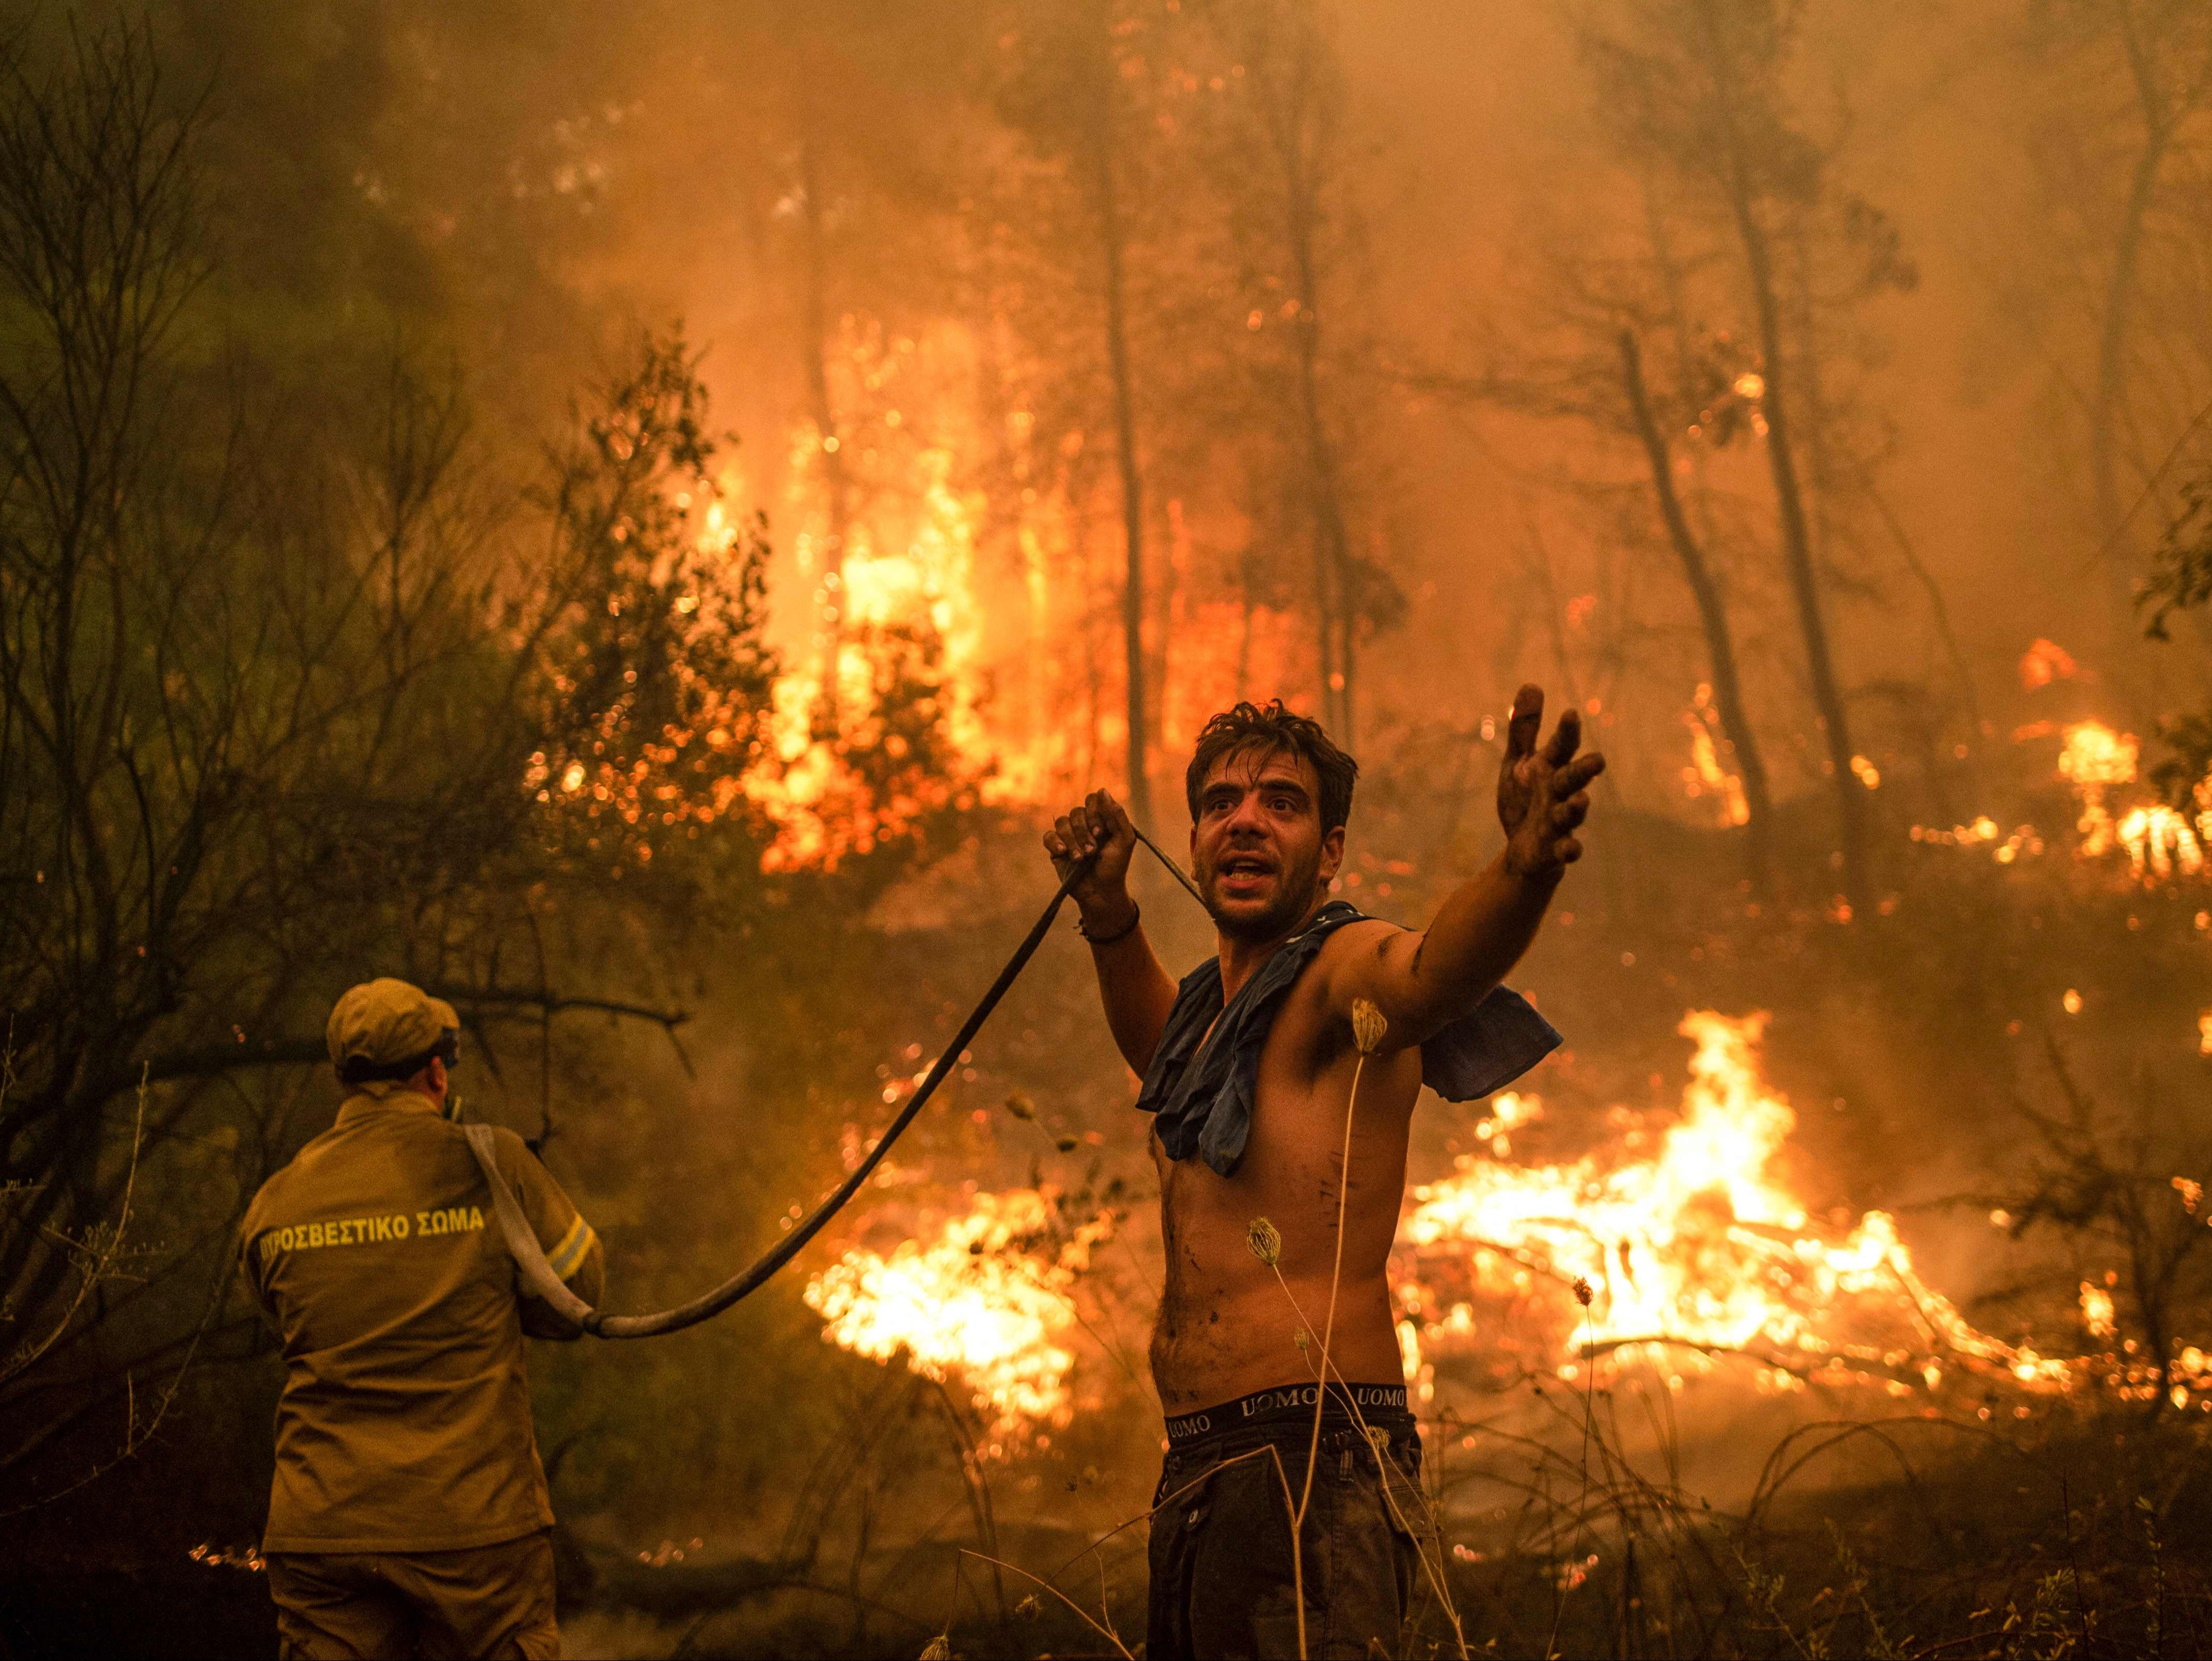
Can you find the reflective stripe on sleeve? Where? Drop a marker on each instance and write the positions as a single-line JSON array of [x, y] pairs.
[[565, 1257]]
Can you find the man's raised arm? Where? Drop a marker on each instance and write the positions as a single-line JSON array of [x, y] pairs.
[[1423, 982], [1136, 991]]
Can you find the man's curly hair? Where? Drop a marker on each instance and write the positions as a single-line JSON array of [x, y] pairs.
[[1268, 730]]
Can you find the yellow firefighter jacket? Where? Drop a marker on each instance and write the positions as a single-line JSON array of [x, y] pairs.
[[405, 1422]]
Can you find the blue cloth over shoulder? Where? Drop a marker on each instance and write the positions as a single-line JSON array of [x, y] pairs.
[[1200, 1087]]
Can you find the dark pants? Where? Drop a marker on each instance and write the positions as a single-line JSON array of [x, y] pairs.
[[1223, 1582], [488, 1600]]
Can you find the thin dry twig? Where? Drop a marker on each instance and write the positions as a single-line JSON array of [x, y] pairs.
[[97, 1258], [1105, 1632]]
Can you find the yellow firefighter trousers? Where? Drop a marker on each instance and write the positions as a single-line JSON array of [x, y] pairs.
[[487, 1604]]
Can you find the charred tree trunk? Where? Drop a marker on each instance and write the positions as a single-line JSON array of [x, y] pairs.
[[2106, 414], [1782, 464], [1246, 583], [2145, 46], [1336, 583], [836, 483], [1105, 187], [1336, 586], [1170, 603], [1712, 616], [1336, 589], [1804, 581], [2162, 114]]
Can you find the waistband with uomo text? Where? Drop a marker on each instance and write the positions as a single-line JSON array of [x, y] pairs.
[[1346, 1401]]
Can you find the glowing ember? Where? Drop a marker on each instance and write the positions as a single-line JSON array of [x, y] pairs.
[[1508, 1109], [247, 1557], [989, 1300], [1984, 833], [1688, 1236]]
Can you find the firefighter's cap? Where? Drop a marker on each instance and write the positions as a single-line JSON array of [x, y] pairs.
[[388, 1029]]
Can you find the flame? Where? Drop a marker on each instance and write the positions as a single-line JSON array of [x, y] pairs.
[[2044, 662], [976, 628], [1680, 1242], [1705, 776], [885, 714], [1688, 1235], [2095, 760], [2093, 754], [988, 1300], [2160, 841], [899, 636], [2098, 1315]]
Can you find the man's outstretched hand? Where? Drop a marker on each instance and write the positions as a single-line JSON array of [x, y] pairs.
[[1542, 789], [1101, 826]]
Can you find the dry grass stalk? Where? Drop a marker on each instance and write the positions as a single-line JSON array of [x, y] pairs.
[[1368, 1027], [1265, 1241]]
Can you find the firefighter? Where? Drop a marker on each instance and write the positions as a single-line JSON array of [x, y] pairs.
[[409, 1515]]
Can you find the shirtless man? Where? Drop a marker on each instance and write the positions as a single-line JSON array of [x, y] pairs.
[[1247, 1068]]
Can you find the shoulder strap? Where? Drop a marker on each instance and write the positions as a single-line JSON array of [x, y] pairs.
[[522, 1239]]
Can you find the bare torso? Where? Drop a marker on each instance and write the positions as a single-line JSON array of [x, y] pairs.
[[1269, 796], [1227, 1325]]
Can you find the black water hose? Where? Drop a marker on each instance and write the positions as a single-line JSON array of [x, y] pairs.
[[542, 1282]]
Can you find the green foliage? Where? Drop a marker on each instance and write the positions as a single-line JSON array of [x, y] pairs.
[[650, 678], [2181, 572], [2180, 581]]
